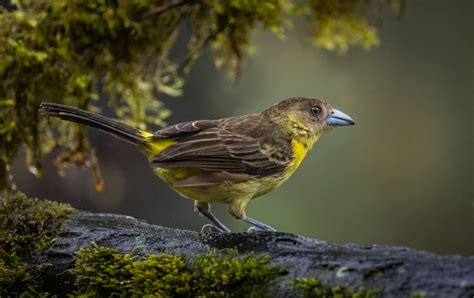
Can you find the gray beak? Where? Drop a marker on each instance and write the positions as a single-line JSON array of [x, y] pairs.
[[338, 118]]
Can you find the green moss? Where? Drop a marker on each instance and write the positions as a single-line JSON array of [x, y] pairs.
[[418, 294], [27, 227], [229, 275], [104, 271], [312, 287], [161, 275]]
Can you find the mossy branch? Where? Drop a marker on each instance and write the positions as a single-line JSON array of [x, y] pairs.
[[106, 254], [309, 266]]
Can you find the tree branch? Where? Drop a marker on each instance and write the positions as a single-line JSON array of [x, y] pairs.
[[394, 271]]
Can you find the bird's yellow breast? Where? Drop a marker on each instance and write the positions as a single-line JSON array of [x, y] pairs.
[[300, 146], [300, 149]]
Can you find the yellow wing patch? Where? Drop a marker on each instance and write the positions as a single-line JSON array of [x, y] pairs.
[[145, 134], [154, 145], [158, 145]]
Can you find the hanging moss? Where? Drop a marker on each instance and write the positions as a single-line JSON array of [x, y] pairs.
[[338, 25], [28, 226], [71, 51], [104, 271]]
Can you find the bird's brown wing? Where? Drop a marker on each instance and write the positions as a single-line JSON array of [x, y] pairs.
[[185, 129], [221, 149]]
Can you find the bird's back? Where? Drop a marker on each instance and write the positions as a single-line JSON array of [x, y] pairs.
[[223, 151]]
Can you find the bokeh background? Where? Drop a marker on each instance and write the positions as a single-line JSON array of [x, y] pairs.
[[402, 176]]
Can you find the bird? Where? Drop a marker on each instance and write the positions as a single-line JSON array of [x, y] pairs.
[[229, 160]]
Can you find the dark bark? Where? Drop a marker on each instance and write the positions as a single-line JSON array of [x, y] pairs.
[[396, 271], [6, 183]]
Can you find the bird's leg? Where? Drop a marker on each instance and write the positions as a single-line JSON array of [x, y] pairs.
[[237, 210], [205, 209], [258, 225]]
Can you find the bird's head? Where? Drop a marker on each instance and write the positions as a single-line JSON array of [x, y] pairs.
[[307, 116]]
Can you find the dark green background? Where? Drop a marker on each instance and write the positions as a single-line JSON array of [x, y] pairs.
[[402, 176]]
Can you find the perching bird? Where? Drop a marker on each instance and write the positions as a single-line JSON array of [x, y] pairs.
[[230, 160]]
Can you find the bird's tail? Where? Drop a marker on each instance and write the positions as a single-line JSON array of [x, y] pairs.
[[120, 130]]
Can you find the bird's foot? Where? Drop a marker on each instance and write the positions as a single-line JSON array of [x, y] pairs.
[[267, 228], [252, 230], [258, 226], [256, 230], [212, 229]]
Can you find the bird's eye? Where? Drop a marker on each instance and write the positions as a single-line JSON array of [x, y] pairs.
[[316, 110]]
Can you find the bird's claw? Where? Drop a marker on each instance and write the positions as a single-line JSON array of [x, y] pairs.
[[212, 229], [254, 229]]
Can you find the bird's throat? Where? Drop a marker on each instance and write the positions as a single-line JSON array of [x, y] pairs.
[[300, 146]]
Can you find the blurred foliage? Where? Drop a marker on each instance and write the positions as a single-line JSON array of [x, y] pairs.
[[28, 226], [73, 52], [340, 24]]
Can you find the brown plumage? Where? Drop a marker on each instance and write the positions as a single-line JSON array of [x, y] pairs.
[[229, 145], [230, 160]]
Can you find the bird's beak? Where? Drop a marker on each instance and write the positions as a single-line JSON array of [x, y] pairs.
[[338, 118]]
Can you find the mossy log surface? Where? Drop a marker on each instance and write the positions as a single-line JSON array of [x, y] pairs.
[[393, 271]]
